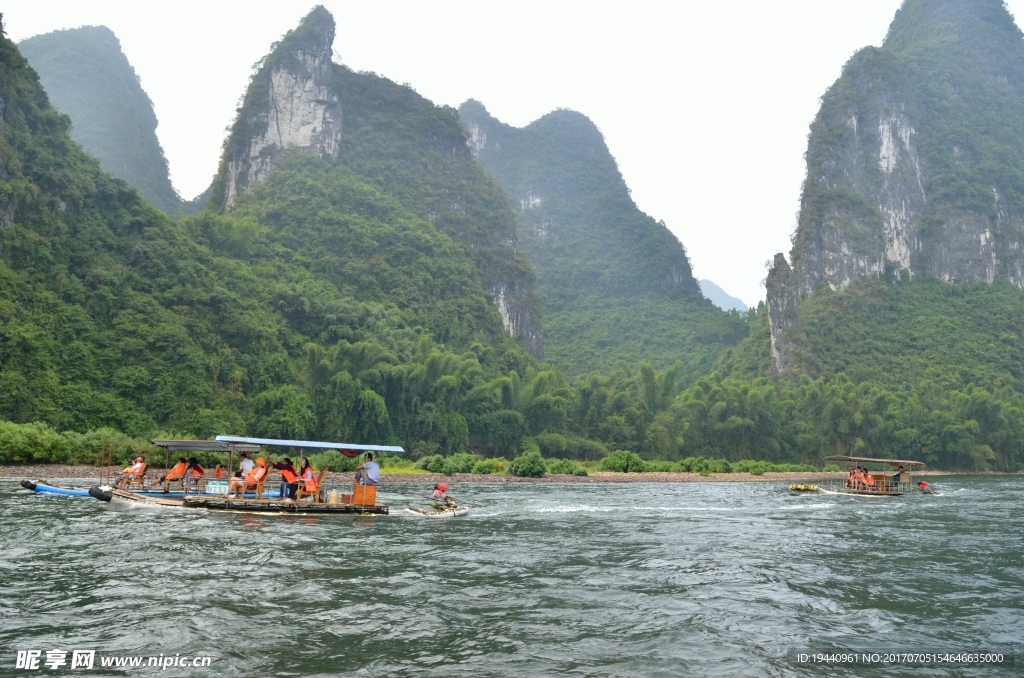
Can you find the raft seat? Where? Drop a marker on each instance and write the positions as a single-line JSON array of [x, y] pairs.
[[319, 487]]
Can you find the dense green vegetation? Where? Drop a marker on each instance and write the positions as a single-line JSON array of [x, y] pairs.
[[348, 299], [616, 285], [88, 78]]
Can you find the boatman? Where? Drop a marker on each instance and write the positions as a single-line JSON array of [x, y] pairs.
[[368, 473]]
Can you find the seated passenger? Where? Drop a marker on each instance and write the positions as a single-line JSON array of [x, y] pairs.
[[441, 496], [133, 473], [368, 473], [310, 484], [175, 473], [245, 466], [257, 474], [195, 471], [289, 479]]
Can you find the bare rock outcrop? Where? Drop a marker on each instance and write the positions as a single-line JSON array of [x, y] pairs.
[[292, 103], [912, 164], [783, 320]]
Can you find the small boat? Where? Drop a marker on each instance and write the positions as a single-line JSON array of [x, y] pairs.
[[438, 511], [804, 487], [875, 477]]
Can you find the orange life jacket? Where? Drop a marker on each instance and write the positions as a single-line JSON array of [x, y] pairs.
[[289, 475], [309, 479], [197, 471], [868, 480], [219, 473], [256, 475], [177, 471]]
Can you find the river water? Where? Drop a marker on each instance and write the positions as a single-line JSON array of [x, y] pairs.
[[645, 579]]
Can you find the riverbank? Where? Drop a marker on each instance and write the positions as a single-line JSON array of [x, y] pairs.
[[61, 471]]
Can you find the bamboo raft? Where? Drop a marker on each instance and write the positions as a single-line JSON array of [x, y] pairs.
[[243, 505]]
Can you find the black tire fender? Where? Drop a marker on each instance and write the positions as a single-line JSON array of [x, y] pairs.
[[99, 493]]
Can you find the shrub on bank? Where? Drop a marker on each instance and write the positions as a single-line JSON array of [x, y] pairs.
[[622, 461], [564, 467], [759, 468], [37, 443], [462, 462], [488, 467], [703, 466], [528, 465]]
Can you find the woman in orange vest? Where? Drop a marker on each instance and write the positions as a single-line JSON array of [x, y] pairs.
[[308, 477], [257, 474], [289, 479]]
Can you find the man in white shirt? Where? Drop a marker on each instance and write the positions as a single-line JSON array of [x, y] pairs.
[[369, 472], [246, 465]]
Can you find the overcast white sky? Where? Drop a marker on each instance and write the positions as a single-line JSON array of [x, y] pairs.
[[705, 105]]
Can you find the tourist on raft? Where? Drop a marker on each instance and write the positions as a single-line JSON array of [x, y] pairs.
[[175, 473], [258, 473], [289, 479], [368, 473], [195, 471], [245, 466], [133, 472], [308, 477]]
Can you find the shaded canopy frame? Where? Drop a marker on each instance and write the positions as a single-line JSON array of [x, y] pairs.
[[872, 460], [202, 446], [347, 449]]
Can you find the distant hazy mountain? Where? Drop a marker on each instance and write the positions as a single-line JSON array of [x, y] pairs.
[[616, 284], [721, 298], [88, 77]]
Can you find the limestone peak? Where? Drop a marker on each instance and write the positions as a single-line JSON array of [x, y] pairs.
[[292, 103]]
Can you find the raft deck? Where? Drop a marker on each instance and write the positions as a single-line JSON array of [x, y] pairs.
[[277, 506]]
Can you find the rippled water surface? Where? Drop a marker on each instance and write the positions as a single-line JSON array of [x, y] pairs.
[[631, 580]]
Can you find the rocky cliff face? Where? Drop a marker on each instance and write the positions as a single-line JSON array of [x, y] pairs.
[[913, 159], [292, 103], [783, 319], [411, 150]]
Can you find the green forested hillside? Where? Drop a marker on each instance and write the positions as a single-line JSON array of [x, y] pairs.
[[616, 285], [922, 370], [331, 301], [88, 78], [347, 298]]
